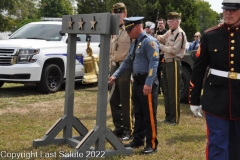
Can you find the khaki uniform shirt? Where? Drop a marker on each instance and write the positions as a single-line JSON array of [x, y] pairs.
[[119, 46], [170, 47]]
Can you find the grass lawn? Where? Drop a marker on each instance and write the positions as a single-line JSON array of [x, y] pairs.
[[26, 115]]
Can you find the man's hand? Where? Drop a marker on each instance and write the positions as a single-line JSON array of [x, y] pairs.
[[147, 89], [197, 110], [111, 80]]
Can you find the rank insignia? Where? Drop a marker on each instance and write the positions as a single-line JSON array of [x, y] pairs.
[[139, 45], [155, 54], [150, 72]]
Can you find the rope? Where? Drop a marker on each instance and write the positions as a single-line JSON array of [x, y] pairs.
[[111, 92]]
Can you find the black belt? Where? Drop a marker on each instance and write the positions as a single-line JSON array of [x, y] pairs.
[[171, 59], [140, 78]]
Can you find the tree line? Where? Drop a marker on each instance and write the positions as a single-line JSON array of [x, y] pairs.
[[196, 14]]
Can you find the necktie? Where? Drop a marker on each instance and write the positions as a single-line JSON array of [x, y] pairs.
[[135, 46], [134, 49]]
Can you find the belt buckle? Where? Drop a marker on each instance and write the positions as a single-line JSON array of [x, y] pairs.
[[232, 75]]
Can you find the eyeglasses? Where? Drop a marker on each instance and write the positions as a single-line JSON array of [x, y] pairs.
[[195, 36]]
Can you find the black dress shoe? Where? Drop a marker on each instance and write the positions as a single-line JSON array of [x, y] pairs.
[[148, 150], [126, 137], [133, 145]]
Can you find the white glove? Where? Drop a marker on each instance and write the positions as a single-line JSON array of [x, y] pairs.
[[197, 110]]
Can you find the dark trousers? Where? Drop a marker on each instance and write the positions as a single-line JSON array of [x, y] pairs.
[[121, 105], [145, 109], [223, 138], [171, 90]]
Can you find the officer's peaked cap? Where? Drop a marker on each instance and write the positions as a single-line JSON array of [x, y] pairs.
[[174, 15], [231, 4], [130, 22], [119, 8]]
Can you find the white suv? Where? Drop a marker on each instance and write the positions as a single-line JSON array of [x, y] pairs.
[[37, 53]]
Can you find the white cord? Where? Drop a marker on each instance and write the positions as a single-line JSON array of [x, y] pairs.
[[111, 92]]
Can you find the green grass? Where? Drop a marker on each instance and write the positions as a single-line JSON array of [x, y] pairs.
[[26, 115]]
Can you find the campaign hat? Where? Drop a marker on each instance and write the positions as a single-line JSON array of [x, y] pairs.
[[174, 15], [119, 8]]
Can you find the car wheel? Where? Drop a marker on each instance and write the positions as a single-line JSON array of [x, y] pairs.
[[51, 79], [185, 81], [1, 84]]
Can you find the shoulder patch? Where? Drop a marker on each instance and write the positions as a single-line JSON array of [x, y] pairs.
[[152, 44], [213, 28], [180, 36]]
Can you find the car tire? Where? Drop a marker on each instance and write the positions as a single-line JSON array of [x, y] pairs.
[[1, 84], [184, 87], [51, 79]]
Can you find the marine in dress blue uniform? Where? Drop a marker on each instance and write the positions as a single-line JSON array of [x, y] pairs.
[[219, 49], [142, 60]]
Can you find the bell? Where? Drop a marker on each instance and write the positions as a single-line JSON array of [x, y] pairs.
[[91, 66]]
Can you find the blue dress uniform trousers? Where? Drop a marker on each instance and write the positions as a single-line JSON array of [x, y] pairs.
[[145, 109], [223, 138]]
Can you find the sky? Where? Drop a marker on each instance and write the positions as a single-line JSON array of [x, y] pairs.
[[216, 5]]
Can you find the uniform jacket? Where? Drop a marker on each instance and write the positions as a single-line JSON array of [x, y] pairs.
[[120, 45], [173, 44], [219, 48], [146, 58]]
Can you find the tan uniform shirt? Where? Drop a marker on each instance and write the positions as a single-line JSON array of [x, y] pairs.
[[170, 47], [120, 45]]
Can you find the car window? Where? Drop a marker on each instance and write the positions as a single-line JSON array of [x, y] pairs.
[[49, 32]]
